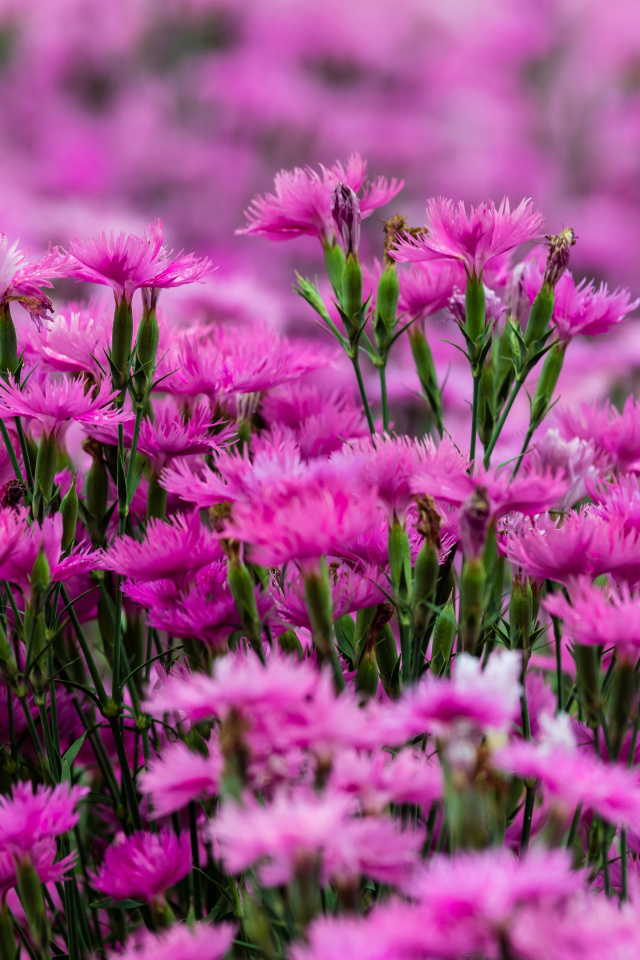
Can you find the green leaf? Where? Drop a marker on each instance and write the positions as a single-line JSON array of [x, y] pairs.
[[69, 756]]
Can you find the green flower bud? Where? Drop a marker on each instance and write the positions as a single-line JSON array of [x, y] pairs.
[[351, 300], [475, 308], [367, 677], [620, 701], [146, 351], [69, 512], [121, 339], [46, 465], [486, 405], [539, 315], [502, 359], [520, 615], [334, 261], [472, 587], [32, 900], [444, 634], [425, 578], [8, 342], [156, 498], [387, 296], [289, 643], [387, 659], [400, 560], [588, 679], [425, 368], [551, 369], [317, 591], [243, 592]]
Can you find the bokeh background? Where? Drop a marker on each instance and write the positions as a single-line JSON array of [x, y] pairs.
[[114, 112]]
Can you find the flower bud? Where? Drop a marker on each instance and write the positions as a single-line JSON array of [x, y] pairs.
[[520, 615], [475, 308], [367, 675], [539, 315], [121, 338], [425, 368], [475, 514], [8, 342], [146, 351], [69, 512], [351, 300], [32, 900], [334, 261], [551, 370], [387, 659], [156, 499], [558, 257], [588, 680], [472, 587], [425, 577], [46, 461], [444, 634], [345, 210], [486, 418], [317, 592], [400, 559], [623, 690], [243, 592], [289, 643], [386, 308]]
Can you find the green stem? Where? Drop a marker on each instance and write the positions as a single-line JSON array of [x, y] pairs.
[[195, 854], [12, 454], [84, 646], [125, 773], [624, 865], [474, 418], [385, 399], [133, 452], [117, 641], [530, 793], [574, 826], [527, 441], [501, 422], [367, 409], [25, 452]]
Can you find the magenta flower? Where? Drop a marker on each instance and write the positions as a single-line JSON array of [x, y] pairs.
[[54, 403], [143, 866], [171, 550], [127, 262], [594, 617], [37, 814], [580, 308], [427, 288], [301, 204], [178, 775], [571, 776], [320, 420], [615, 435], [75, 340], [296, 830], [474, 238], [17, 565], [350, 591], [200, 941], [172, 434], [22, 281], [378, 780]]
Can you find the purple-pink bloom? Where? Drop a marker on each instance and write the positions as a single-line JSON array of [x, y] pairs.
[[427, 288], [472, 238], [179, 775], [22, 281], [301, 204], [127, 262], [199, 941], [594, 617], [320, 420], [34, 814], [75, 339], [614, 434], [143, 866]]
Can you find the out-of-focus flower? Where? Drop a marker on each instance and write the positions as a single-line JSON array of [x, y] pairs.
[[200, 941], [22, 280], [179, 775], [143, 866], [32, 815], [614, 434]]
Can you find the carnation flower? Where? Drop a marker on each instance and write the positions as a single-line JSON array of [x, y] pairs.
[[54, 403], [42, 856], [615, 435], [320, 420], [22, 281], [594, 617], [200, 941], [36, 814], [179, 775], [378, 780], [301, 204], [427, 288], [127, 262], [350, 591], [143, 866], [76, 339], [474, 238]]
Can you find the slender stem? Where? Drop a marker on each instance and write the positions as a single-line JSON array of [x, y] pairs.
[[530, 793], [574, 826], [134, 450], [25, 452], [367, 409], [195, 854], [605, 858], [117, 640], [500, 424], [12, 454], [634, 740], [385, 399], [474, 417], [84, 646], [527, 441], [125, 773], [557, 635]]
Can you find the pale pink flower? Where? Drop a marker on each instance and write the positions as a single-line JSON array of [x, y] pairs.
[[427, 288], [320, 420], [42, 856], [378, 779], [301, 204], [143, 866], [178, 775], [576, 460], [615, 435], [127, 262], [617, 501], [76, 339], [473, 239], [595, 617], [200, 941]]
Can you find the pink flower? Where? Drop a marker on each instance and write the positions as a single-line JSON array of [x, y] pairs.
[[595, 617], [42, 856], [350, 591], [301, 204], [127, 262], [295, 830], [474, 700], [617, 501], [473, 239], [37, 814], [17, 566], [172, 549], [571, 776], [409, 777], [143, 866], [615, 435], [576, 460], [54, 403], [76, 339], [200, 941], [22, 281], [427, 288], [580, 308], [320, 420], [179, 775]]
